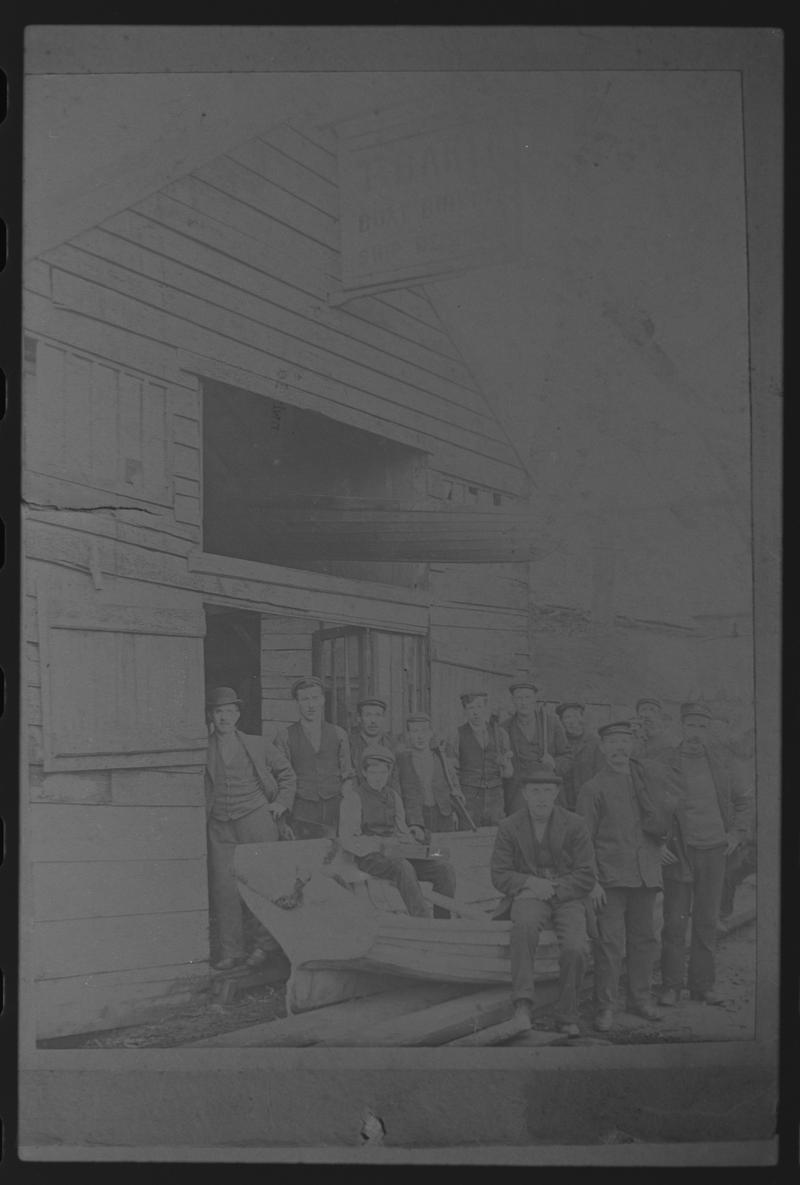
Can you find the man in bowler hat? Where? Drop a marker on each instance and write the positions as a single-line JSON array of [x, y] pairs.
[[250, 789]]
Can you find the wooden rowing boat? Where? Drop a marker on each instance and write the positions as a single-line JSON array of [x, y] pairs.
[[348, 934]]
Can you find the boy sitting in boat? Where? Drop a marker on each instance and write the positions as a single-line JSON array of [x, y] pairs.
[[374, 809], [544, 864]]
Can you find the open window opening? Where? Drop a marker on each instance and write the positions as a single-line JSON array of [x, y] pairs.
[[233, 659], [268, 465]]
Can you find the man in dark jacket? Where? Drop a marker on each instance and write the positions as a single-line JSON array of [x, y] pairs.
[[542, 861], [584, 749], [711, 820], [250, 788], [626, 808], [427, 779], [538, 743]]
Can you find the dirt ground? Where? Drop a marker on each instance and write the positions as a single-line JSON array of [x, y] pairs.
[[689, 1021]]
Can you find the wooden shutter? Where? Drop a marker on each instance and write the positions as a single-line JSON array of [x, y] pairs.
[[122, 685]]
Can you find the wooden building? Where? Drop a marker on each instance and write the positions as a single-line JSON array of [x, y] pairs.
[[195, 399]]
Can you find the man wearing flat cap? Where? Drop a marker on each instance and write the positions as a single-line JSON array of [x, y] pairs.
[[584, 749], [627, 810], [484, 760], [538, 743], [372, 810], [250, 788], [320, 756], [427, 778], [713, 816], [653, 732], [543, 863], [370, 728]]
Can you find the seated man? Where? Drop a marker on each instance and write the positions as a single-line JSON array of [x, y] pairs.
[[543, 862], [373, 808]]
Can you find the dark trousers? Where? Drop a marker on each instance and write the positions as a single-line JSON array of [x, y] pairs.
[[700, 900], [435, 821], [226, 904], [485, 806], [625, 924], [406, 875], [568, 919], [316, 818]]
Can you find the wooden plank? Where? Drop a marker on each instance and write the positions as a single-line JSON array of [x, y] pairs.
[[87, 787], [100, 614], [88, 1003], [110, 888], [157, 787], [44, 410], [286, 173], [86, 946], [443, 926], [440, 1023], [429, 959], [202, 302], [498, 1034], [290, 141], [103, 434], [397, 935], [61, 832], [330, 1024]]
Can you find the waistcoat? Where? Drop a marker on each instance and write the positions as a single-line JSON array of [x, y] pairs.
[[318, 773], [478, 769], [377, 809]]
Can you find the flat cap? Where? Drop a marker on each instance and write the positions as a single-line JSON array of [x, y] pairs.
[[306, 681], [522, 683], [377, 753], [562, 708], [218, 697], [646, 699], [378, 703], [542, 778], [696, 709], [467, 697], [616, 726], [418, 718]]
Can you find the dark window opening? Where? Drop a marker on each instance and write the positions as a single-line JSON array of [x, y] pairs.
[[232, 654], [262, 456]]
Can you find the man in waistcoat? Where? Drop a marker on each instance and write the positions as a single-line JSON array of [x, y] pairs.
[[427, 778], [538, 743], [373, 809], [320, 756], [250, 788], [626, 808], [711, 820], [484, 759], [370, 728], [544, 864], [584, 749]]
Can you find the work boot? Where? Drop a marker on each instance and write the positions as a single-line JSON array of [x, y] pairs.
[[522, 1014], [645, 1010], [604, 1020], [669, 997], [707, 997], [569, 1028]]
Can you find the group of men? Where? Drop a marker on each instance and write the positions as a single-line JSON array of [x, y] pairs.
[[591, 826]]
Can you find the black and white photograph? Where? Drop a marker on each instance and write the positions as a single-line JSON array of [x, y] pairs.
[[400, 595]]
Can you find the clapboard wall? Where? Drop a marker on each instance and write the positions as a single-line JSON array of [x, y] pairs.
[[224, 275]]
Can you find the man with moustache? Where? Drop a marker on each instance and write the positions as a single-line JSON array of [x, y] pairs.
[[711, 821], [653, 733], [584, 749], [250, 789], [543, 862], [538, 743], [627, 809], [484, 760], [427, 779], [319, 753]]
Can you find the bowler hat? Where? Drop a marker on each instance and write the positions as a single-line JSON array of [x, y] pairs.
[[562, 708], [306, 681], [377, 753], [695, 709], [218, 697], [378, 703], [623, 727]]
